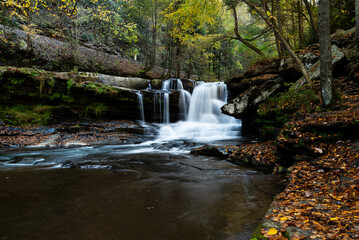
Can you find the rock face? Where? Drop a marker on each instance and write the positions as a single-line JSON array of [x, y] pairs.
[[124, 82], [239, 106], [59, 96], [314, 72], [64, 96]]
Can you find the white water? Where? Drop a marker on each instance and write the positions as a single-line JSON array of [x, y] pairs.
[[172, 84], [140, 104], [166, 108], [205, 122], [184, 100]]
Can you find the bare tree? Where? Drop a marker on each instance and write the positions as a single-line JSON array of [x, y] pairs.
[[232, 4], [326, 85], [273, 25]]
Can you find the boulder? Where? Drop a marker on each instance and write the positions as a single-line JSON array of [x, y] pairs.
[[250, 99], [314, 72], [125, 82], [239, 85]]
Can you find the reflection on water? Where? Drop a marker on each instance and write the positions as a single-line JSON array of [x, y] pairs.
[[143, 191]]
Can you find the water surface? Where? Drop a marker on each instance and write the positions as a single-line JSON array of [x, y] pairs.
[[124, 192]]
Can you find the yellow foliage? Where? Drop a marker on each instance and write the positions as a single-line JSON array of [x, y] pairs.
[[272, 231]]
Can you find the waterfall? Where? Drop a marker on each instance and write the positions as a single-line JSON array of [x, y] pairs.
[[205, 122], [206, 102], [200, 113], [172, 84], [166, 108], [140, 104], [184, 99], [157, 104]]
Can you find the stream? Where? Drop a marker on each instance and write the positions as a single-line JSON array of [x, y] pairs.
[[149, 189]]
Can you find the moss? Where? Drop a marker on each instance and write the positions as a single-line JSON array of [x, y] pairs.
[[70, 83], [286, 235], [98, 88], [26, 114], [289, 102], [99, 108], [257, 235]]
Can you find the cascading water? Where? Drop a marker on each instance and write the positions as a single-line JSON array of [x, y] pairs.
[[205, 122], [140, 104], [166, 108], [172, 84], [200, 112], [184, 100]]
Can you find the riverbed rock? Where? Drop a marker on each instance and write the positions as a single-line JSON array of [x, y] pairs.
[[75, 143], [49, 142], [215, 151]]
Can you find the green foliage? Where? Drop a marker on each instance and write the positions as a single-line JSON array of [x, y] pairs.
[[26, 114], [97, 108], [70, 83], [342, 14], [98, 88]]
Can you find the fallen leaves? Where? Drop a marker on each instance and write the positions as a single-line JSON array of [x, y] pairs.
[[90, 133], [322, 196], [262, 153]]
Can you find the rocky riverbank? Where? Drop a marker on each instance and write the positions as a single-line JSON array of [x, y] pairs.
[[71, 134]]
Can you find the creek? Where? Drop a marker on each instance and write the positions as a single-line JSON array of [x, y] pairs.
[[149, 189]]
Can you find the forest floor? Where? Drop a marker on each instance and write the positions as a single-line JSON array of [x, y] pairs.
[[321, 200]]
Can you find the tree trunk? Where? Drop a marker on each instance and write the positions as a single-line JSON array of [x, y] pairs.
[[357, 19], [238, 36], [326, 86], [294, 29], [281, 38], [311, 16], [28, 37], [154, 37], [300, 24], [280, 48]]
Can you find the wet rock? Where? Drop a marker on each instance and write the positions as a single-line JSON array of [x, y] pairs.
[[75, 143], [189, 84], [243, 159], [49, 142], [215, 151], [156, 84]]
